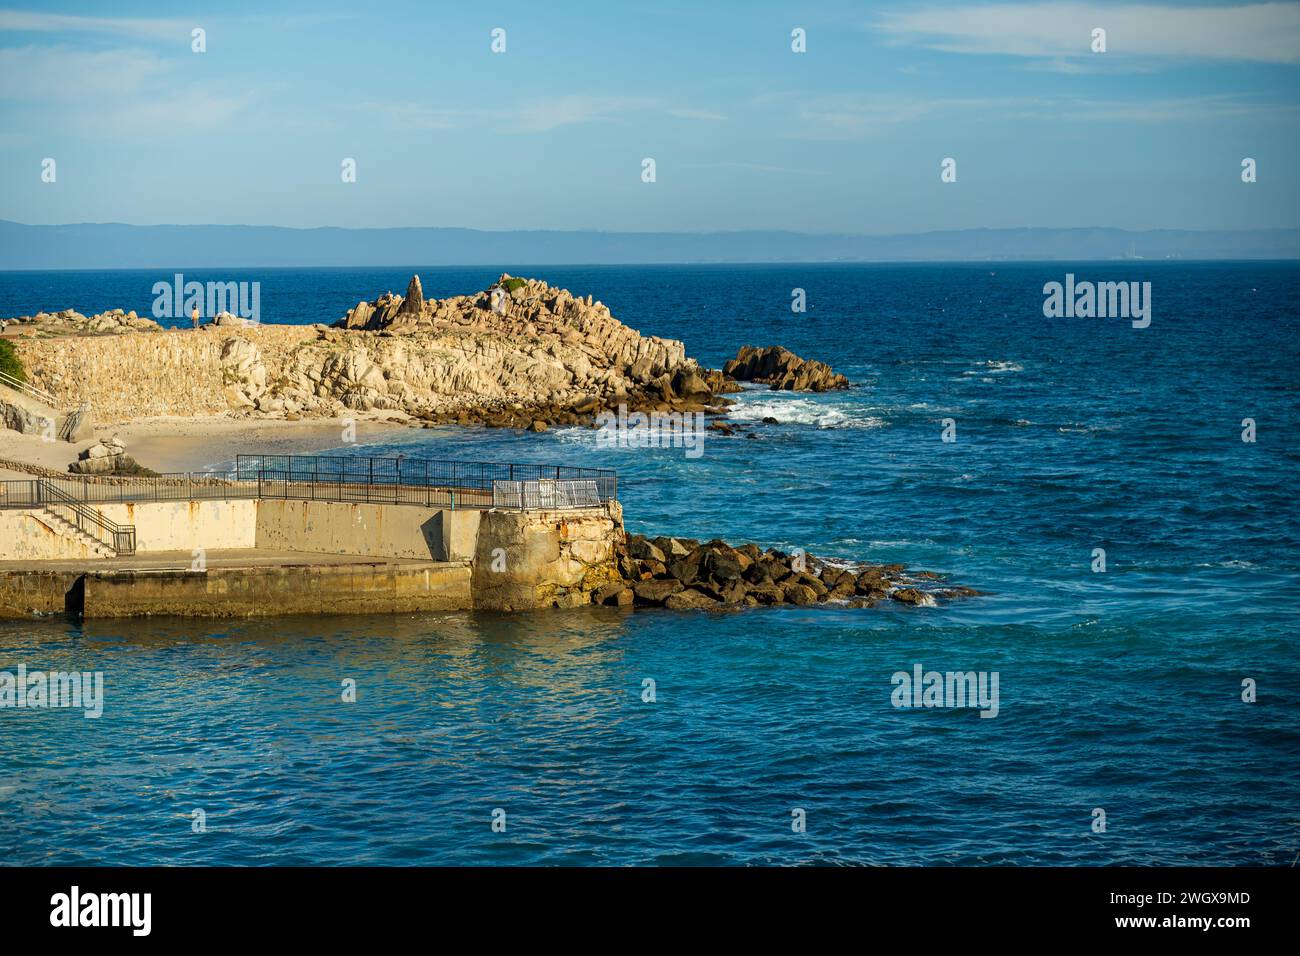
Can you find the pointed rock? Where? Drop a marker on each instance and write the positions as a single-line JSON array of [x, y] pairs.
[[413, 304]]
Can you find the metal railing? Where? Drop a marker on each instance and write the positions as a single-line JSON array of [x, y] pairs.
[[29, 390], [415, 481], [99, 490], [463, 484], [119, 537]]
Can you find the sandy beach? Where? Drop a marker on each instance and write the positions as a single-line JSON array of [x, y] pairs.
[[175, 444]]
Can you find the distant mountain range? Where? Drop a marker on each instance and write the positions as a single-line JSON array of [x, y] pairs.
[[121, 246]]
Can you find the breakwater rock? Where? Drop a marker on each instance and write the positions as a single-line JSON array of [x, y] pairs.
[[783, 370], [683, 573]]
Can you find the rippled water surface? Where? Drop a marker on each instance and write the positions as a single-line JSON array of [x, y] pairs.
[[1119, 690]]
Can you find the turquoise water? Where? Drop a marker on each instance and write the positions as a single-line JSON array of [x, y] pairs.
[[1118, 690]]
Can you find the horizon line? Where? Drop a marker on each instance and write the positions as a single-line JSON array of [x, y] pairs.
[[650, 232], [698, 263]]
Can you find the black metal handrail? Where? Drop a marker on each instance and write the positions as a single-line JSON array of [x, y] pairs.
[[416, 481], [472, 478], [119, 537]]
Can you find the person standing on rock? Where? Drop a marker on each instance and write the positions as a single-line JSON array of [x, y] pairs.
[[194, 317]]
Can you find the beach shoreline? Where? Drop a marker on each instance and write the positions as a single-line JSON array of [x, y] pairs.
[[195, 444]]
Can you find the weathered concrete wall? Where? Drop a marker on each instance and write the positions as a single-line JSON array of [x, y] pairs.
[[389, 531], [368, 530], [39, 593], [29, 535], [459, 531], [261, 592], [374, 530], [187, 525], [533, 560]]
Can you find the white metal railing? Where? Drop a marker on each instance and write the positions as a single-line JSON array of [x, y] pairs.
[[545, 494], [31, 390]]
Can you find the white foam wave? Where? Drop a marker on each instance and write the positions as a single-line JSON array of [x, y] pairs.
[[803, 411], [576, 435], [926, 600], [1070, 427], [996, 368]]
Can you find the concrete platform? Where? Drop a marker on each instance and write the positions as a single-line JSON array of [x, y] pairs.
[[216, 559], [233, 583], [269, 556]]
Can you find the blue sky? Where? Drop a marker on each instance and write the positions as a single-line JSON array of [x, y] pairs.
[[745, 133]]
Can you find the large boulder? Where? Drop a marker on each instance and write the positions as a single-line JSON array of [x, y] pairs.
[[690, 599], [243, 373], [107, 458], [783, 370], [655, 592]]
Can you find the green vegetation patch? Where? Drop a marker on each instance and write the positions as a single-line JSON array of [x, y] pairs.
[[10, 363], [511, 284]]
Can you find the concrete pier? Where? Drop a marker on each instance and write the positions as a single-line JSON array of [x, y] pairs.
[[253, 556], [232, 583]]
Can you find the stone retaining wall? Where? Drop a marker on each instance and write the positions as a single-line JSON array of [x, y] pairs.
[[528, 560]]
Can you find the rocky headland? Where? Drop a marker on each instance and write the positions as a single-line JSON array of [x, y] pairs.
[[521, 353]]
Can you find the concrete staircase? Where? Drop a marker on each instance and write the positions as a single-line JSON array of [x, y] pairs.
[[66, 529]]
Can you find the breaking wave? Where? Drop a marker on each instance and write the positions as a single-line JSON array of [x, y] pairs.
[[995, 368], [803, 411]]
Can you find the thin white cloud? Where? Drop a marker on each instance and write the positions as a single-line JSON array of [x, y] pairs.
[[172, 31], [754, 167], [697, 114], [106, 93], [24, 21], [1066, 65], [850, 116], [193, 110], [406, 115], [38, 73], [1261, 32], [1171, 110], [539, 115], [552, 112]]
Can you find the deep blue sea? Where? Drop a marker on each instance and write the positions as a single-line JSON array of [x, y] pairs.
[[1120, 690]]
